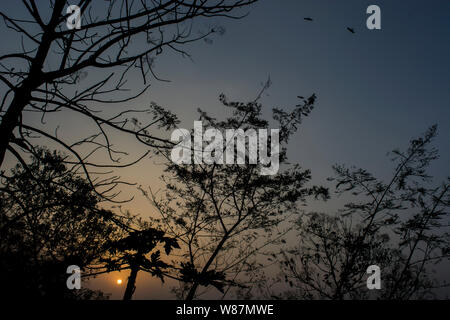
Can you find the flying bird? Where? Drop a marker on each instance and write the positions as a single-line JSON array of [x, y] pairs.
[[308, 19], [351, 30]]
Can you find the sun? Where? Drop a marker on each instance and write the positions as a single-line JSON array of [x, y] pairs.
[[119, 281]]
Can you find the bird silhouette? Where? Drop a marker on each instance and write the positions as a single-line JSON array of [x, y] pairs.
[[308, 19], [351, 30]]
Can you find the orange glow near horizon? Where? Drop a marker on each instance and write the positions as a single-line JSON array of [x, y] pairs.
[[119, 281]]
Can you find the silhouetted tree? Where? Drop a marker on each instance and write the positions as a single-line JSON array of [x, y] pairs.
[[400, 225], [138, 251], [116, 38], [224, 215], [49, 219]]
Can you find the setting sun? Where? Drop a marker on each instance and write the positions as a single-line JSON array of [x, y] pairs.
[[119, 281]]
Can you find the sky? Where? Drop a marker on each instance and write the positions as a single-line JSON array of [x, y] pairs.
[[376, 89]]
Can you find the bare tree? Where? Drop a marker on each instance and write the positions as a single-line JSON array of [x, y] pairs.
[[400, 225], [115, 38], [224, 215]]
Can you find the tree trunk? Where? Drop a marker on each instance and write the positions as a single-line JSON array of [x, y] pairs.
[[131, 283], [22, 94], [195, 285]]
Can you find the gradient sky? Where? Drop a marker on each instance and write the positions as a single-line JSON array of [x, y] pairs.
[[376, 89]]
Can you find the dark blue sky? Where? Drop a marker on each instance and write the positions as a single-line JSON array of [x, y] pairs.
[[376, 89]]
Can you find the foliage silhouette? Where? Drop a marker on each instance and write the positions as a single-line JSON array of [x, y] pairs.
[[136, 252], [401, 226], [50, 218], [224, 215]]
